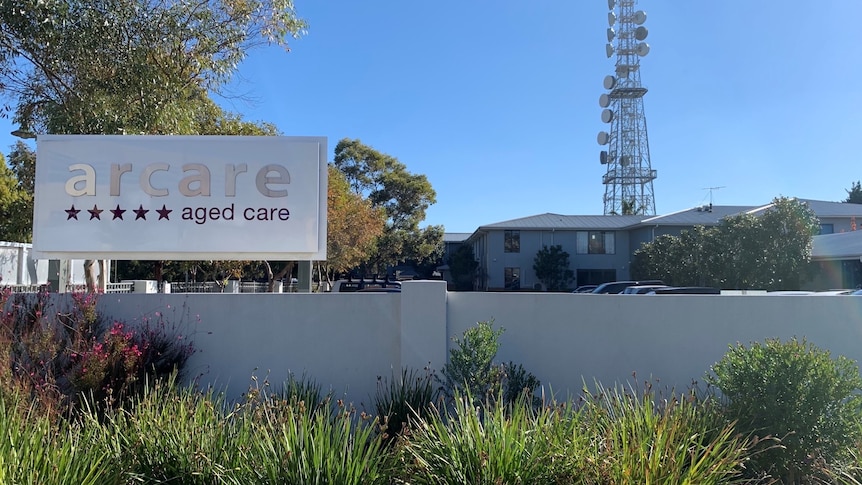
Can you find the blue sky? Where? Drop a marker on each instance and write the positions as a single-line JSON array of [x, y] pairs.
[[497, 102]]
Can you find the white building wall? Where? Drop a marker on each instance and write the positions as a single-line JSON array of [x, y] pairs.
[[347, 340]]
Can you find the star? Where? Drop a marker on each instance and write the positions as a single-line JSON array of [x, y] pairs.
[[163, 212], [95, 213], [141, 213], [118, 213], [72, 213]]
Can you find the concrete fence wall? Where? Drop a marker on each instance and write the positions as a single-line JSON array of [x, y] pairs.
[[345, 341]]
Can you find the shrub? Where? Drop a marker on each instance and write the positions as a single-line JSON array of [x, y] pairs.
[[34, 450], [794, 392], [61, 351], [471, 369], [409, 395], [504, 444], [644, 438]]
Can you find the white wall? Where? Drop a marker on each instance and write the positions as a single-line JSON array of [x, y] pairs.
[[346, 340]]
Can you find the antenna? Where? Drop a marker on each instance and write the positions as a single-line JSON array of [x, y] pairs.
[[629, 175], [711, 190]]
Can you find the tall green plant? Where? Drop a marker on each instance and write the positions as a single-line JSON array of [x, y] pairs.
[[505, 444], [35, 451], [400, 398], [644, 438], [471, 368], [797, 393]]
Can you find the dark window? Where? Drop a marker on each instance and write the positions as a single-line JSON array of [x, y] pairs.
[[512, 242], [512, 278], [827, 228], [595, 242], [596, 276]]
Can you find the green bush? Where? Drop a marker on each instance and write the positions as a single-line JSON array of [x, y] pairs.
[[471, 369], [33, 450], [504, 444], [796, 393], [644, 438], [411, 395]]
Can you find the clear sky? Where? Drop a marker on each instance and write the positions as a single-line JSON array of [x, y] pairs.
[[497, 102]]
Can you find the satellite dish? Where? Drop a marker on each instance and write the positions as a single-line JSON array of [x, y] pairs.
[[610, 82], [603, 138], [622, 71], [604, 100], [643, 49], [609, 50], [603, 157], [641, 33], [611, 34], [640, 17], [612, 19], [611, 4], [607, 115]]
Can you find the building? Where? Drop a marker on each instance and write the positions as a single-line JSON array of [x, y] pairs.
[[601, 247]]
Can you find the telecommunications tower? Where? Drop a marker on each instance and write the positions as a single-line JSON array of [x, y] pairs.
[[629, 176]]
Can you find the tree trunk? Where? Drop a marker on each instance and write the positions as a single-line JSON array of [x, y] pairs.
[[89, 275]]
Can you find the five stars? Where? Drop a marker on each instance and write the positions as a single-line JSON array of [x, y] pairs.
[[140, 212]]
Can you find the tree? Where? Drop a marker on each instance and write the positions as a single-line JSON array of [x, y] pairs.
[[353, 226], [854, 195], [127, 66], [551, 266], [463, 266], [771, 251], [16, 194], [404, 198]]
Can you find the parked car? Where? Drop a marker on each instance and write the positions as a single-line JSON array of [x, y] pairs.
[[616, 287], [641, 289], [352, 286], [686, 290], [585, 289]]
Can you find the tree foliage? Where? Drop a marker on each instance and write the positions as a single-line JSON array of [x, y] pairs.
[[16, 194], [772, 251], [403, 196], [854, 195], [463, 266], [797, 393], [551, 266], [128, 66], [353, 225]]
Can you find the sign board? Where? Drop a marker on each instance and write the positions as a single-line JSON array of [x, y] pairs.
[[180, 197]]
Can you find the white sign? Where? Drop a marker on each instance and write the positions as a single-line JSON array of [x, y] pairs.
[[180, 197]]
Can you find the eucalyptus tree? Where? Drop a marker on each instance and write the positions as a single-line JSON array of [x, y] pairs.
[[128, 66], [403, 196]]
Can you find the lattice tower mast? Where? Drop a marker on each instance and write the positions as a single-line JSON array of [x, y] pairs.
[[629, 176]]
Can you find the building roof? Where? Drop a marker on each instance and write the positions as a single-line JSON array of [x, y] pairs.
[[455, 237], [842, 245], [559, 221], [703, 215], [825, 208]]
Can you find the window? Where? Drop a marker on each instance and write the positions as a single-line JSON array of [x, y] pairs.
[[596, 276], [512, 278], [827, 228], [512, 242], [595, 242]]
